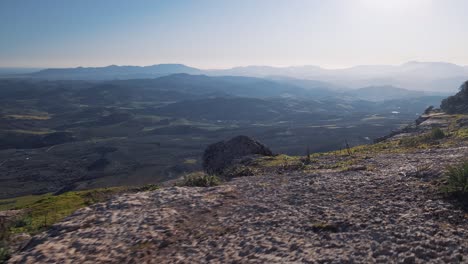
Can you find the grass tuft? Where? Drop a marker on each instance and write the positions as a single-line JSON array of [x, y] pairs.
[[457, 179], [199, 179], [41, 211]]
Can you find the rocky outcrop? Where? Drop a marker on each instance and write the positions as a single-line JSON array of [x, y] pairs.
[[387, 214], [219, 156]]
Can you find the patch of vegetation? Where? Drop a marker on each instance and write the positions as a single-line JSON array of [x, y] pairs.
[[279, 160], [42, 211], [190, 161], [239, 171], [148, 188], [4, 254], [325, 227], [461, 133], [199, 179], [457, 104], [298, 166], [412, 142], [355, 168], [453, 124], [19, 202], [423, 140], [4, 227], [279, 164], [457, 181], [437, 133], [387, 146]]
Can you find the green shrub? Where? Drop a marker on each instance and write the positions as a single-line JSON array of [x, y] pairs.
[[4, 254], [457, 181], [199, 179], [437, 133], [148, 188], [239, 171], [427, 138], [22, 222]]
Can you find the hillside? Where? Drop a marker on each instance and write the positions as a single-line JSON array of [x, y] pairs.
[[93, 134], [382, 93], [376, 203], [457, 103]]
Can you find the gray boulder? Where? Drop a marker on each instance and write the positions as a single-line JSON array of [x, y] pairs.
[[221, 155]]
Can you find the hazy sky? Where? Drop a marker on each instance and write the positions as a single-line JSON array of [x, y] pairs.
[[224, 33]]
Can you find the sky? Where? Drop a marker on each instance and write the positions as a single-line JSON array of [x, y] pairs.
[[224, 33]]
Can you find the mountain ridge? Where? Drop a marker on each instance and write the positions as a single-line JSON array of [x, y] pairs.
[[413, 75]]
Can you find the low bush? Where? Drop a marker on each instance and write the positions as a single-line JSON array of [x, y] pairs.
[[457, 183], [199, 179], [4, 254], [437, 133], [457, 179]]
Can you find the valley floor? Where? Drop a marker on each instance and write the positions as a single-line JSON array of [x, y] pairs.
[[386, 209]]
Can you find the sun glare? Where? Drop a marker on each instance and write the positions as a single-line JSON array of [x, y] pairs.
[[394, 5]]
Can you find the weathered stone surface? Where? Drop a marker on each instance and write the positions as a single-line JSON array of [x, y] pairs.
[[221, 155], [378, 216]]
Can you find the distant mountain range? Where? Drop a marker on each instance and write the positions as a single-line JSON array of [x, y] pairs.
[[12, 71], [252, 87], [425, 76], [114, 72], [422, 76]]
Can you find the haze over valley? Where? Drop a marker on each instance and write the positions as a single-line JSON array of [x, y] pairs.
[[242, 131], [135, 131]]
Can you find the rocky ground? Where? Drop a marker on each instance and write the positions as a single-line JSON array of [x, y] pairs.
[[385, 208]]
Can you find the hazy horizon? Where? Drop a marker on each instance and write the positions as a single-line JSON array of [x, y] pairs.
[[225, 68], [216, 35]]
